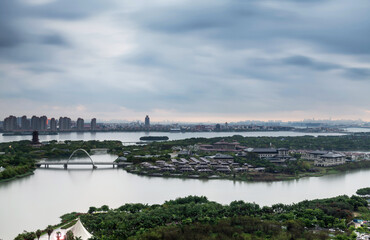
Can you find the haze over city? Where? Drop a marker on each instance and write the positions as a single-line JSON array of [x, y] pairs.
[[188, 61]]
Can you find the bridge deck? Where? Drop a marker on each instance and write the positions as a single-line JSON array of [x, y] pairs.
[[76, 163]]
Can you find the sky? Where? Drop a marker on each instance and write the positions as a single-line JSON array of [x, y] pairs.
[[189, 61]]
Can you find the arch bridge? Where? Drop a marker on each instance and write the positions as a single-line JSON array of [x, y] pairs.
[[68, 162]]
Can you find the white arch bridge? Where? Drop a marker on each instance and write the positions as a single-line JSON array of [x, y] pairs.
[[68, 162]]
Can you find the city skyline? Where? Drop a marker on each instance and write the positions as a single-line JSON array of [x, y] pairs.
[[65, 123], [185, 61]]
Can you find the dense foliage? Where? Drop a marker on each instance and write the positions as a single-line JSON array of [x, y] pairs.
[[198, 218], [242, 228], [359, 141], [16, 159], [363, 191]]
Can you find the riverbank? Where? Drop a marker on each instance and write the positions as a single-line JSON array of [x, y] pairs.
[[253, 177], [256, 176], [18, 176]]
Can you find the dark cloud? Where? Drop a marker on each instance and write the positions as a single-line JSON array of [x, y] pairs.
[[348, 72], [246, 24], [54, 39], [358, 73], [8, 37], [40, 69], [64, 10], [16, 27], [200, 56], [309, 62], [70, 9]]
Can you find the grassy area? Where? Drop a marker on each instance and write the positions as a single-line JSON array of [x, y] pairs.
[[70, 224]]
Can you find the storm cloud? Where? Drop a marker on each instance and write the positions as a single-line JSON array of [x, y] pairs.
[[219, 60]]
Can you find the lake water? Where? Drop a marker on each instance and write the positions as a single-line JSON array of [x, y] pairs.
[[357, 130], [35, 201], [135, 136]]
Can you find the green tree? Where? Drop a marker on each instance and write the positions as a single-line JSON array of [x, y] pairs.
[[105, 208], [363, 191], [49, 229], [92, 210], [70, 235], [38, 233], [29, 236]]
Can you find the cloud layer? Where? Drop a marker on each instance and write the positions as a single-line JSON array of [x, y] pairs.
[[185, 60]]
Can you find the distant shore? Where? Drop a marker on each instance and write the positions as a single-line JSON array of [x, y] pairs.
[[302, 130]]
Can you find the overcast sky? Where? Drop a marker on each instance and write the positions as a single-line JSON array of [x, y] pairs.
[[179, 60]]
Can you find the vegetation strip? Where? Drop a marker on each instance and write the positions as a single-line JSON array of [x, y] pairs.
[[195, 217]]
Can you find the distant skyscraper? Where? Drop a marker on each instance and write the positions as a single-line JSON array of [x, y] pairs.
[[147, 121], [60, 123], [43, 123], [80, 124], [64, 124], [19, 122], [35, 123], [53, 125], [93, 124], [25, 123], [10, 123]]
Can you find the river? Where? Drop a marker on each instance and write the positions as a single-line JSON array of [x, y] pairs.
[[38, 200], [135, 136]]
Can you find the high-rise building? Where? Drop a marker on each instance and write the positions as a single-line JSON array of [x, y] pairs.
[[43, 123], [25, 123], [80, 124], [19, 122], [53, 125], [93, 124], [10, 123], [60, 123], [35, 123], [147, 121], [64, 124]]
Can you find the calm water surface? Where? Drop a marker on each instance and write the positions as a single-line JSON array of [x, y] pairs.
[[357, 130], [34, 202], [135, 136]]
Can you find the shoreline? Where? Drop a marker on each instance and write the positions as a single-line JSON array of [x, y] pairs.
[[278, 178], [18, 176], [254, 177]]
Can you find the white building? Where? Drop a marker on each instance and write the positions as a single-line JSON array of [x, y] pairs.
[[330, 159], [314, 155]]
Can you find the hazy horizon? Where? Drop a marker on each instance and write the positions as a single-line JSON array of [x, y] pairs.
[[185, 61], [205, 121]]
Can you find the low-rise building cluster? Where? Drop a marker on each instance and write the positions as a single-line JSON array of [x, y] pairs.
[[325, 158], [212, 164]]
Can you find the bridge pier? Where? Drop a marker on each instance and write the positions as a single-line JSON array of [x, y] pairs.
[[65, 166]]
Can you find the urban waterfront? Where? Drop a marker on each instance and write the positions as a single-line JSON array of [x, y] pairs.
[[135, 136], [40, 199]]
